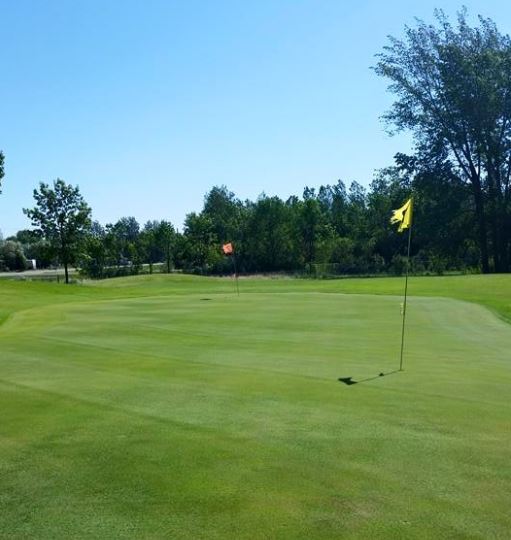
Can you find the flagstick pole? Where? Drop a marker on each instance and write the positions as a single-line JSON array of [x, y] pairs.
[[236, 273], [404, 303]]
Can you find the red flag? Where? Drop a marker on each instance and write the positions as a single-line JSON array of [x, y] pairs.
[[228, 249]]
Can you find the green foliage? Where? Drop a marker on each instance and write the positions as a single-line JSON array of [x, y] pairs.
[[165, 238], [452, 89], [93, 261], [121, 239], [149, 247], [122, 249], [201, 247], [310, 226], [332, 231], [35, 247], [398, 265], [225, 212], [62, 217], [12, 256]]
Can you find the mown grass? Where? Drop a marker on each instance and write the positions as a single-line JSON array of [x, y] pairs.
[[167, 407]]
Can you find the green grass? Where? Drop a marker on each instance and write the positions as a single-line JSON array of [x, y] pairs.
[[167, 407]]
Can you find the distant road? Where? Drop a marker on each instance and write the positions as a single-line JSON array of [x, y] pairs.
[[36, 273]]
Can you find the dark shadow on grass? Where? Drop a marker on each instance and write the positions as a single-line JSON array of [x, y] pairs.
[[349, 380], [204, 299]]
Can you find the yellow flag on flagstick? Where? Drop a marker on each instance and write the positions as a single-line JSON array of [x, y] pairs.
[[403, 216]]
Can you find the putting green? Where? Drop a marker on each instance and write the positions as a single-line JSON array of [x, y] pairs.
[[169, 413]]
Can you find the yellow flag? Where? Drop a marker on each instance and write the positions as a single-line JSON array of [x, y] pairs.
[[403, 216]]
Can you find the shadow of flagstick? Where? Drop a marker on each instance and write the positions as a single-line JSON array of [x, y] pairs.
[[349, 380]]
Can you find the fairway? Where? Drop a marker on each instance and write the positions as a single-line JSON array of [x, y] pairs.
[[169, 407]]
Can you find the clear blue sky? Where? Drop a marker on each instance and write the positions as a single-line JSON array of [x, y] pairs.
[[148, 104]]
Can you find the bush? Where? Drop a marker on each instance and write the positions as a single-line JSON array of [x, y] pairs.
[[398, 265], [12, 257]]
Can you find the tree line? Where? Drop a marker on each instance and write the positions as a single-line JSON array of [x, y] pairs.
[[333, 230], [452, 88]]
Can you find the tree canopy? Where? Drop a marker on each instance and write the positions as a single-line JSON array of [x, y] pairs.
[[453, 91], [62, 216]]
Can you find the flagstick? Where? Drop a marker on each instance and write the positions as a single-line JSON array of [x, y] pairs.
[[404, 303], [236, 273]]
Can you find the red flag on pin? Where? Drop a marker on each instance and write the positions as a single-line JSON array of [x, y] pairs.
[[228, 249]]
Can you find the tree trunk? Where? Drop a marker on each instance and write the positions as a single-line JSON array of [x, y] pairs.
[[502, 224], [506, 239], [66, 272], [503, 243], [494, 215], [495, 241], [500, 230], [483, 239]]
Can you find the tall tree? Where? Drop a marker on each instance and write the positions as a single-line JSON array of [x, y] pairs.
[[453, 88], [310, 224], [12, 256], [62, 216], [149, 244], [122, 241], [224, 210], [93, 259], [269, 242], [165, 238], [202, 242], [34, 247]]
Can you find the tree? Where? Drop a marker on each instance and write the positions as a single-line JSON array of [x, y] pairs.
[[201, 241], [34, 247], [122, 240], [12, 256], [127, 229], [268, 239], [93, 260], [26, 236], [149, 244], [310, 225], [165, 239], [62, 216], [453, 88], [224, 210]]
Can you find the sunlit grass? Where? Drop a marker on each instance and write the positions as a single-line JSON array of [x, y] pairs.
[[168, 407]]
